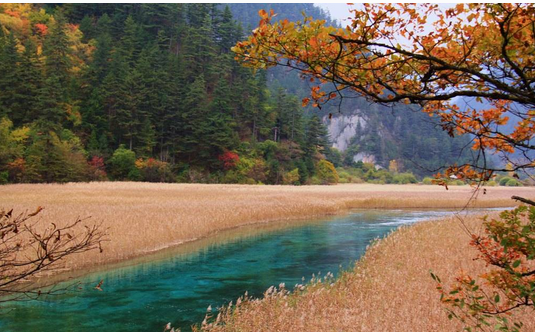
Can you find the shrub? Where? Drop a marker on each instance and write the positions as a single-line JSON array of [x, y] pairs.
[[491, 184], [315, 180], [326, 172], [97, 170], [229, 159], [153, 170], [19, 171], [291, 177], [513, 183], [4, 177], [123, 165], [404, 178], [503, 181], [427, 181]]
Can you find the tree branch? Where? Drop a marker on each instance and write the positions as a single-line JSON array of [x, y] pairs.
[[523, 200]]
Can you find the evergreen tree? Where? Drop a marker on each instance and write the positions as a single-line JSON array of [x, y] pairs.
[[54, 95], [317, 137], [9, 59], [169, 126], [128, 113], [131, 41], [226, 31], [199, 50], [194, 119]]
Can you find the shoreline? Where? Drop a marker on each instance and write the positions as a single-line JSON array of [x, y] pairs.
[[221, 237], [199, 212], [388, 289]]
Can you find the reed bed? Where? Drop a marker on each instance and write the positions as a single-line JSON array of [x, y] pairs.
[[142, 218], [390, 289]]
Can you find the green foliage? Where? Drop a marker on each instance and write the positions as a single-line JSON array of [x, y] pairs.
[[160, 79], [153, 170], [4, 176], [427, 181], [123, 165], [326, 172], [513, 183], [404, 178], [291, 177], [11, 142], [504, 180]]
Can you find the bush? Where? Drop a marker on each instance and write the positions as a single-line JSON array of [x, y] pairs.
[[404, 178], [51, 158], [123, 165], [513, 183], [315, 180], [343, 176], [326, 172], [153, 170], [291, 177], [229, 159], [96, 169], [503, 181], [491, 184], [427, 181], [3, 177], [247, 171]]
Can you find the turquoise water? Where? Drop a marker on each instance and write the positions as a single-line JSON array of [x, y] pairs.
[[179, 288]]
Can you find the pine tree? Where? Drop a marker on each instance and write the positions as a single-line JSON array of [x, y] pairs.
[[146, 139], [9, 78], [131, 41], [195, 120], [199, 50], [170, 125], [226, 31], [128, 113], [56, 49], [54, 94], [317, 138], [30, 79]]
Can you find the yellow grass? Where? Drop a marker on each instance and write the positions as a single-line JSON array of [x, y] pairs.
[[143, 218], [390, 289]]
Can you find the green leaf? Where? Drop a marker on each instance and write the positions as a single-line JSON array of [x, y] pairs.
[[497, 298], [516, 263]]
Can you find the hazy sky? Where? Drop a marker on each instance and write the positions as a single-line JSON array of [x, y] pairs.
[[338, 11]]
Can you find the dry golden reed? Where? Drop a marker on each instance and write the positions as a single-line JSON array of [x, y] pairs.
[[142, 218], [390, 289]]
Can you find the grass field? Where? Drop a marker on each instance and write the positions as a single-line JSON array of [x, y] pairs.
[[142, 218], [390, 289]]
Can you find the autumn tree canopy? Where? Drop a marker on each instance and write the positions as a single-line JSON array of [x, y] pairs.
[[427, 55]]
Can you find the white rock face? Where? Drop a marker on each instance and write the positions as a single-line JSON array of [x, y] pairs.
[[342, 129]]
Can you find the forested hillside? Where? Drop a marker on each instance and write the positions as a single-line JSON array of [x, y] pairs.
[[400, 133], [152, 92]]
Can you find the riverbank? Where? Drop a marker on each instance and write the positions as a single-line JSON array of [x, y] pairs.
[[143, 218], [390, 288]]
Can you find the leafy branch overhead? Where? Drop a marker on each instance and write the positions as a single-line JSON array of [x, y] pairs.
[[426, 55]]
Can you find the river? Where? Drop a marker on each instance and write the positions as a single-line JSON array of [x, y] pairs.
[[178, 286]]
